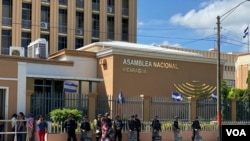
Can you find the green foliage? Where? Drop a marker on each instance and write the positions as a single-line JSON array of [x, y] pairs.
[[236, 94], [224, 89], [59, 115]]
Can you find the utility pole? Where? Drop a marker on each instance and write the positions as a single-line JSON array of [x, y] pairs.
[[218, 82]]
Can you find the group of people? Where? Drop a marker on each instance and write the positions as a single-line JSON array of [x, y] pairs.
[[108, 129], [195, 129], [21, 124]]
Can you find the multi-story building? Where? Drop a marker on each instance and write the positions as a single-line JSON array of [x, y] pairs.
[[229, 58], [66, 23]]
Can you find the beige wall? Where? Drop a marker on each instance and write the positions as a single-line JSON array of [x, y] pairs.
[[8, 76], [155, 81]]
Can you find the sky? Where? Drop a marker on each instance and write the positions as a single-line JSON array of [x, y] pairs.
[[192, 24]]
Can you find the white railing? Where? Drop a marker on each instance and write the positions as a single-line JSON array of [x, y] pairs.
[[57, 127], [6, 132]]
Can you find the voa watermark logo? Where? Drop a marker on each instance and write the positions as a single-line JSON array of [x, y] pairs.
[[236, 132]]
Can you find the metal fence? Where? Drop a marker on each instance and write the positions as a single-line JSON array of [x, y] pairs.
[[206, 109], [44, 103], [166, 108], [243, 110], [132, 105]]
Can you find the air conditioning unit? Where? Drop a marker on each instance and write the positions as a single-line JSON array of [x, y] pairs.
[[79, 31], [45, 0], [16, 51], [44, 25], [38, 49]]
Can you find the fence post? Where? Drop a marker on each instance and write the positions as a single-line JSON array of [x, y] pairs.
[[234, 110], [92, 106], [146, 108], [192, 107]]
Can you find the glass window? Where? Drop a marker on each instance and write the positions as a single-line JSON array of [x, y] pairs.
[[6, 41], [7, 8], [124, 29], [45, 15], [79, 3], [78, 43], [26, 39], [62, 42], [62, 17], [79, 19], [26, 11]]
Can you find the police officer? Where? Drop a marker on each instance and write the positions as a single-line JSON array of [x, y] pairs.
[[176, 129], [70, 125], [108, 120], [195, 128], [156, 128], [138, 125], [118, 125], [132, 128], [85, 128]]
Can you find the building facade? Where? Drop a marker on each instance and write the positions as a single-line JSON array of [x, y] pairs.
[[229, 66], [152, 71], [66, 23], [242, 71]]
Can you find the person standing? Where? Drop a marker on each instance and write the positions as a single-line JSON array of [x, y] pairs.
[[176, 129], [138, 125], [85, 128], [156, 128], [20, 126], [107, 134], [132, 135], [14, 124], [118, 126], [30, 126], [42, 128], [108, 120], [195, 128], [70, 125], [98, 127]]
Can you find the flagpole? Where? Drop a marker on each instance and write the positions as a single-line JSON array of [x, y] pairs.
[[248, 39]]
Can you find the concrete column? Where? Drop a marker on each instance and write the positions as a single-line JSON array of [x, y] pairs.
[[146, 108], [92, 106], [192, 107], [234, 111], [71, 28], [16, 23]]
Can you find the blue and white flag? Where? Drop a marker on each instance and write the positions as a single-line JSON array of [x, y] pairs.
[[246, 32], [177, 96], [121, 98], [69, 87], [214, 96]]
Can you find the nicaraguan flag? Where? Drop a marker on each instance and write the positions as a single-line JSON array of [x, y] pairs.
[[69, 87], [177, 96], [121, 98], [214, 96], [245, 32]]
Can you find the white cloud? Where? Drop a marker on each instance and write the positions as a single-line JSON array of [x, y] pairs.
[[234, 16], [205, 17], [140, 23]]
